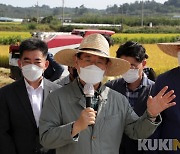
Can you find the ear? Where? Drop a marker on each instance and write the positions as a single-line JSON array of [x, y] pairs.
[[19, 63], [75, 59], [144, 63], [46, 64], [76, 65], [107, 66]]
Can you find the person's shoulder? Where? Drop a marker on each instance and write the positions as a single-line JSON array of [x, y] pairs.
[[61, 92], [51, 84], [170, 73], [150, 85], [11, 86], [65, 88], [114, 93], [50, 55], [150, 82], [62, 80], [115, 82], [117, 99]]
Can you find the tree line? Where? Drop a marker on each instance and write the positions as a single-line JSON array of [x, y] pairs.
[[132, 14], [170, 7]]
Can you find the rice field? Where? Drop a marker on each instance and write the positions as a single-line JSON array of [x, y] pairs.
[[4, 77], [4, 56], [10, 34], [158, 60], [137, 35], [4, 72], [4, 50]]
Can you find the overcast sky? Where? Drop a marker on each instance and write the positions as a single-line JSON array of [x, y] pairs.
[[98, 4]]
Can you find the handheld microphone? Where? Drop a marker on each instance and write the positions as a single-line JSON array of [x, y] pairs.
[[89, 93]]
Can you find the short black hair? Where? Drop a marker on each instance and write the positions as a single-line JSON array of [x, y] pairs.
[[33, 44], [78, 55], [132, 49]]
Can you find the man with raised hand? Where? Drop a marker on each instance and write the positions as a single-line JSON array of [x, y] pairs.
[[71, 127]]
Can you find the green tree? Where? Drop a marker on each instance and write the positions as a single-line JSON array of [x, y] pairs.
[[47, 19], [82, 10]]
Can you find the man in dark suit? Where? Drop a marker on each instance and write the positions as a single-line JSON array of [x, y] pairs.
[[170, 126], [21, 102], [135, 85]]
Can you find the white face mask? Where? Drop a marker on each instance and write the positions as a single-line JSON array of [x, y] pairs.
[[91, 74], [131, 75], [178, 54], [32, 72]]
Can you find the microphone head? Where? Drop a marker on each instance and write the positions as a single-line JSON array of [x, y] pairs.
[[88, 90]]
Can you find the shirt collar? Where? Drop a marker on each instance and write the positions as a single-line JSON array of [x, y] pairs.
[[144, 81], [28, 86]]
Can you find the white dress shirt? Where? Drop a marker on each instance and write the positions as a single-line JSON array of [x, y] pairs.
[[36, 99]]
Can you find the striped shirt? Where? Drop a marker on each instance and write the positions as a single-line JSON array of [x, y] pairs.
[[132, 95]]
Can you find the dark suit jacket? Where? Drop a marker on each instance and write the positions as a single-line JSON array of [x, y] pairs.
[[130, 146], [18, 130], [170, 126]]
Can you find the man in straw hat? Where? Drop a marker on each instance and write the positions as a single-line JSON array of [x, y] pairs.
[[170, 126], [70, 126]]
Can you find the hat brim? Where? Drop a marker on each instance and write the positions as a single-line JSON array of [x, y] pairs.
[[170, 48], [117, 67]]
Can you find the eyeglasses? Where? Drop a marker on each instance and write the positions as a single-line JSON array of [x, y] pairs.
[[133, 66], [98, 62]]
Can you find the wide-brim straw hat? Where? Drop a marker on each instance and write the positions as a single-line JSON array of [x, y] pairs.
[[95, 44], [171, 49]]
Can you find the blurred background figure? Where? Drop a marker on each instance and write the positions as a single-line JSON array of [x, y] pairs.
[[151, 74], [54, 70], [69, 78], [109, 39]]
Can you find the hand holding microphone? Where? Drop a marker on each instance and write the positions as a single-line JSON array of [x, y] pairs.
[[89, 93], [88, 115]]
